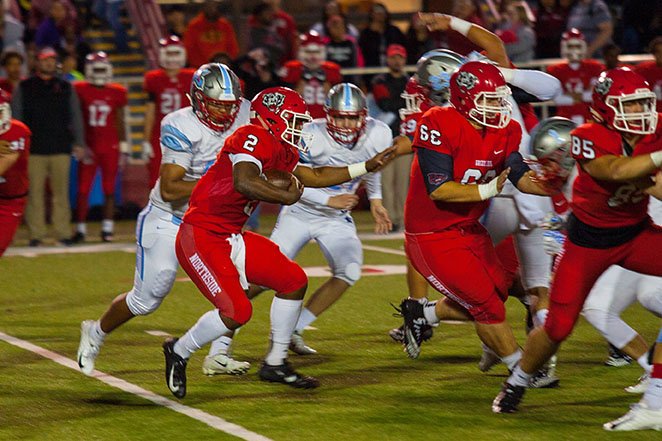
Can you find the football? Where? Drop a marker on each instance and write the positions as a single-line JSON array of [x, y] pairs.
[[278, 178]]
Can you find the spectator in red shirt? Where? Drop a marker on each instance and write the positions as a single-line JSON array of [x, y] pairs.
[[209, 33], [12, 63], [286, 27], [466, 10], [550, 24]]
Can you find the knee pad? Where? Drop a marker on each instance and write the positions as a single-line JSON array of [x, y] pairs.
[[147, 296], [351, 273], [242, 310], [491, 312]]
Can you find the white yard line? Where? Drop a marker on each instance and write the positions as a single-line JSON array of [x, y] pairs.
[[197, 414], [385, 250]]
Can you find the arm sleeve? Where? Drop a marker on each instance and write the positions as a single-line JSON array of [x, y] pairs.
[[436, 167], [76, 118], [540, 84], [315, 196], [517, 167], [374, 185]]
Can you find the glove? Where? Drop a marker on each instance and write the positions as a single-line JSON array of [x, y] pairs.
[[553, 222], [553, 241], [148, 151]]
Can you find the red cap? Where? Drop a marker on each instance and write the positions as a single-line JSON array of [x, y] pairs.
[[396, 49], [47, 52]]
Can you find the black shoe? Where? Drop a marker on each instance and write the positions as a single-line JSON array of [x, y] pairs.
[[508, 399], [65, 242], [617, 358], [175, 371], [107, 236], [285, 374], [78, 237], [416, 327], [34, 243]]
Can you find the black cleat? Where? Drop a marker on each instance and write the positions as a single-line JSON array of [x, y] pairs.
[[175, 371], [508, 399], [617, 358], [398, 334], [78, 237], [416, 327], [107, 236], [285, 374]]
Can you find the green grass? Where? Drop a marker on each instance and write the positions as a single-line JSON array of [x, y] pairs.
[[370, 390]]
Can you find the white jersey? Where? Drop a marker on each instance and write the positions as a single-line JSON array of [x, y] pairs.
[[187, 142], [325, 151]]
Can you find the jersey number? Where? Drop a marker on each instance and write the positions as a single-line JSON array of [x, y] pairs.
[[426, 135], [170, 102], [250, 143], [582, 147], [99, 114], [314, 94], [628, 193], [475, 176]]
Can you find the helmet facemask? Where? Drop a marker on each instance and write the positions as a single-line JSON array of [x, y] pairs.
[[172, 57], [312, 55], [99, 73], [293, 134], [413, 103], [219, 115], [573, 50], [5, 117], [492, 109], [639, 123], [345, 134]]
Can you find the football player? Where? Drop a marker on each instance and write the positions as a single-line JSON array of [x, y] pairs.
[[14, 152], [103, 106], [221, 259], [577, 75], [190, 137], [617, 155], [311, 75], [166, 90]]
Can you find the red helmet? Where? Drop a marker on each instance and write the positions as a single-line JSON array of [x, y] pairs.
[[479, 91], [5, 111], [284, 112], [172, 54], [617, 90], [312, 50], [573, 45], [98, 69], [415, 96]]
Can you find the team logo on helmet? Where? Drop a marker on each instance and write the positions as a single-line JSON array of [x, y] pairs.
[[273, 101], [199, 79], [603, 85], [466, 80]]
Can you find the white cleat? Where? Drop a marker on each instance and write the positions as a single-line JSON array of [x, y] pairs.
[[641, 385], [488, 360], [640, 417], [88, 348], [220, 364], [298, 346]]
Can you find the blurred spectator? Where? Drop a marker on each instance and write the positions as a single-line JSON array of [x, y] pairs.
[[70, 70], [109, 10], [12, 64], [610, 54], [257, 72], [286, 28], [342, 48], [11, 32], [41, 9], [221, 57], [75, 45], [550, 24], [262, 33], [209, 33], [637, 22], [332, 8], [466, 10], [50, 31], [652, 70], [378, 35], [593, 19], [176, 21], [56, 134], [517, 33], [419, 40], [387, 90]]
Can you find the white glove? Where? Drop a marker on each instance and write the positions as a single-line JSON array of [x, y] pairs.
[[148, 151], [553, 241]]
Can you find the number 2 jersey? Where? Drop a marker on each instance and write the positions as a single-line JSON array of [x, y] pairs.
[[478, 157], [168, 94], [14, 182], [188, 143], [100, 105], [215, 204], [608, 204]]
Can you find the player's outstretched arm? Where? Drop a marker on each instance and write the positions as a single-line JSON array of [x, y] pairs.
[[403, 145], [452, 191], [173, 185], [7, 160], [247, 181], [622, 168]]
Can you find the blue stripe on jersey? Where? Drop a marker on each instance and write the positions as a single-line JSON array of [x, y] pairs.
[[175, 139]]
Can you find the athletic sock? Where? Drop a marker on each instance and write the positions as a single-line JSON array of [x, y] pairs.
[[519, 377], [97, 333], [430, 313], [208, 328], [107, 225], [643, 362], [539, 317], [81, 227], [284, 316], [512, 359], [222, 344], [305, 319]]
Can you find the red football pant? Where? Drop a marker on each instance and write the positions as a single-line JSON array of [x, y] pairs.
[[154, 164], [461, 263], [107, 161], [507, 255], [11, 213], [205, 256], [577, 269]]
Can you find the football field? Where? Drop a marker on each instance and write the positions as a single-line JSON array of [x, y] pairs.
[[369, 389]]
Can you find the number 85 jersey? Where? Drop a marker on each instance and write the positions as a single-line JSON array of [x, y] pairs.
[[478, 156], [608, 204]]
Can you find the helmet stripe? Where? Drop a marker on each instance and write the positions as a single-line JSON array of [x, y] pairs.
[[227, 82], [347, 96]]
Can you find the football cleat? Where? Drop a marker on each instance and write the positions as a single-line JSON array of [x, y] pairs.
[[546, 377], [508, 399], [88, 348], [78, 237], [219, 364], [299, 347], [397, 334], [617, 358], [488, 359], [285, 374], [175, 369], [641, 385], [416, 327], [107, 236], [640, 417]]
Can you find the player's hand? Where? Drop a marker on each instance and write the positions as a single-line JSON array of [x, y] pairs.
[[294, 191], [380, 160], [5, 147], [501, 179], [553, 241], [435, 21], [343, 201], [148, 151], [383, 222]]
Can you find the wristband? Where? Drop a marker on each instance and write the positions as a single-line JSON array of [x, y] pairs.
[[356, 170], [459, 25], [656, 157], [489, 190]]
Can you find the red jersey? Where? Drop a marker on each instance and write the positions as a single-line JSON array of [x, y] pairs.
[[168, 94], [6, 86], [408, 125], [100, 111], [215, 205], [576, 81], [653, 74], [478, 157], [607, 204], [14, 183], [312, 85]]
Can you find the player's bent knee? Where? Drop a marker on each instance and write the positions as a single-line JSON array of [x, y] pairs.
[[350, 274], [242, 311], [598, 318], [558, 330], [294, 280], [491, 312], [147, 298]]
